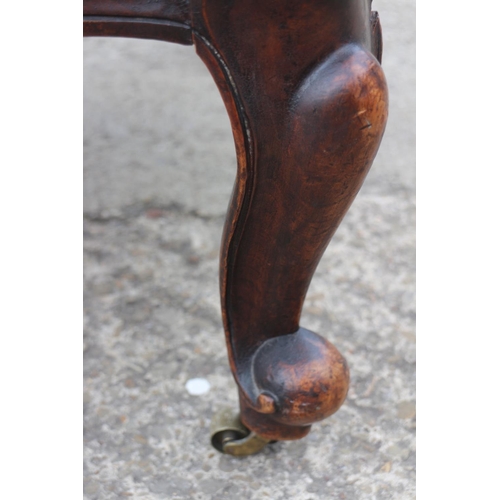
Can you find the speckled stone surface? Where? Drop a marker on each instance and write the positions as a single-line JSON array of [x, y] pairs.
[[152, 321], [158, 172]]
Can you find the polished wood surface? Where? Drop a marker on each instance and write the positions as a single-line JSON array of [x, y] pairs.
[[307, 100]]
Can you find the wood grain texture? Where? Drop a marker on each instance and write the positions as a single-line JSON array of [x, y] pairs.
[[307, 101]]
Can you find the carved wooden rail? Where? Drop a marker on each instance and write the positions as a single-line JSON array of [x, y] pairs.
[[307, 100]]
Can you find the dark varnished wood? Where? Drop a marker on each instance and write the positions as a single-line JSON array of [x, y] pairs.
[[166, 20], [132, 27], [173, 10], [307, 100]]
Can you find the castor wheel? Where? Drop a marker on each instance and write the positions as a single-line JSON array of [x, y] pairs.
[[228, 435]]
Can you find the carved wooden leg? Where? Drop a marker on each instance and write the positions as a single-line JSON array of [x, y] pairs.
[[307, 101], [308, 105]]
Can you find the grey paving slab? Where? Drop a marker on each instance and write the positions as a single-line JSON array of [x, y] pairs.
[[152, 322]]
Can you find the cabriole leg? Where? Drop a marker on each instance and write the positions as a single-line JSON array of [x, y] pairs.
[[308, 104]]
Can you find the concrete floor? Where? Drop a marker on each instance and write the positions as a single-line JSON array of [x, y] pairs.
[[159, 167]]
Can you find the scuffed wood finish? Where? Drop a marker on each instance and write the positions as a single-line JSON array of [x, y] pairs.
[[308, 103], [307, 100]]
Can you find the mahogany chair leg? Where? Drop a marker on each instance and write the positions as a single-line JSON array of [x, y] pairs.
[[308, 104], [307, 100]]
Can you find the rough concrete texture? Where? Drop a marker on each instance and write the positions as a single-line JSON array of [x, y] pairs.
[[159, 167]]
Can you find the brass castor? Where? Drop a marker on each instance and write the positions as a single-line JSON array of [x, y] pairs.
[[229, 435]]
